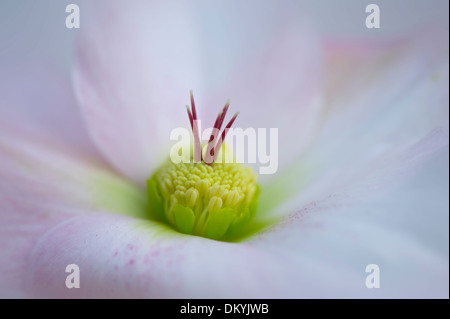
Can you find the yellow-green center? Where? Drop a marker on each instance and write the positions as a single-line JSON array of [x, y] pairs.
[[205, 197], [213, 201]]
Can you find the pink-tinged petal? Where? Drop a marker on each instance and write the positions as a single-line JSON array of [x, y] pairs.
[[122, 257], [37, 98], [38, 181], [137, 61], [403, 231], [134, 68], [390, 101], [43, 183], [274, 83], [322, 251]]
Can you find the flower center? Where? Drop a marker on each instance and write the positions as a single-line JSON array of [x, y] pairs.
[[202, 197]]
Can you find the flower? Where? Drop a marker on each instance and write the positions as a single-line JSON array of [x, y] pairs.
[[363, 150]]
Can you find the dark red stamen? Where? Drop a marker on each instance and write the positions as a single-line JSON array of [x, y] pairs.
[[190, 117], [209, 158], [197, 145], [224, 112], [211, 150], [224, 133], [215, 126], [194, 111], [210, 147]]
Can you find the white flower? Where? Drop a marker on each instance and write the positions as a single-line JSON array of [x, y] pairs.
[[363, 175]]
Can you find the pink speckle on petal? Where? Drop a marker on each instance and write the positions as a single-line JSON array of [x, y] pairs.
[[155, 253], [131, 262], [130, 247]]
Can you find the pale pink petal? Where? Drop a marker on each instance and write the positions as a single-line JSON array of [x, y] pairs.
[[43, 183], [390, 100], [320, 252], [137, 61], [127, 258], [402, 229], [37, 98], [274, 84], [41, 139]]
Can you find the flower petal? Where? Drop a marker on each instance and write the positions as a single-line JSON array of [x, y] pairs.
[[125, 258], [371, 120], [43, 183], [403, 231], [136, 63], [37, 97], [276, 82], [320, 252]]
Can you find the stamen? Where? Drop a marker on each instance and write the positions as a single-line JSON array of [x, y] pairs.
[[211, 150], [197, 145], [190, 117], [210, 147], [209, 158], [215, 126], [224, 133], [224, 112]]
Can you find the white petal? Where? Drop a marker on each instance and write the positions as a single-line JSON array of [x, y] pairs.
[[329, 242], [43, 183], [321, 252], [394, 99], [137, 61], [126, 258], [38, 99]]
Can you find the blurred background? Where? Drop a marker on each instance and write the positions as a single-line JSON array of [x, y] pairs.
[[31, 30]]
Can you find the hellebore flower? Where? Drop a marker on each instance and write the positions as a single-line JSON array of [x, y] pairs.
[[362, 175]]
